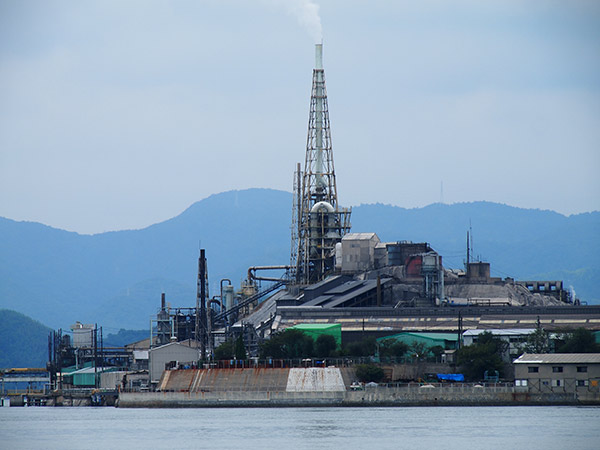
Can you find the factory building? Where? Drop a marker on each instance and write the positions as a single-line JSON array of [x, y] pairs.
[[558, 372], [171, 355], [354, 280]]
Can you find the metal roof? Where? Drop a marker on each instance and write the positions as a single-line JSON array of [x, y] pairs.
[[362, 288], [359, 236], [500, 332], [317, 326], [433, 336], [559, 358], [92, 370]]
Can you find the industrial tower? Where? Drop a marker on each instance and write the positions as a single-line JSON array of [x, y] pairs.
[[318, 223]]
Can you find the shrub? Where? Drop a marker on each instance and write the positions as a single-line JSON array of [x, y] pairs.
[[369, 373]]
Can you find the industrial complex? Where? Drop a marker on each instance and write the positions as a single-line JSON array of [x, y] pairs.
[[351, 286]]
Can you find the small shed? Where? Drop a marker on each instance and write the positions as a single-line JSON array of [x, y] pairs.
[[86, 377]]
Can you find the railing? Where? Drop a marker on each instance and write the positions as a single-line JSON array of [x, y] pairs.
[[278, 363], [455, 387]]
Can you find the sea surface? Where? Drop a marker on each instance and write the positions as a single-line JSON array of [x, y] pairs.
[[414, 428]]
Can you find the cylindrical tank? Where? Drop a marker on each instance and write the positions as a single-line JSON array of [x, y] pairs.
[[227, 299], [338, 255]]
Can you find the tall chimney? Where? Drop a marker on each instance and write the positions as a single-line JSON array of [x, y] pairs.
[[318, 56]]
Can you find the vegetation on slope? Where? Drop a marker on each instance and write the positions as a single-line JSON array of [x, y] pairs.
[[23, 341]]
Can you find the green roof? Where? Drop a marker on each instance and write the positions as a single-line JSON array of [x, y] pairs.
[[317, 326], [314, 330], [433, 336]]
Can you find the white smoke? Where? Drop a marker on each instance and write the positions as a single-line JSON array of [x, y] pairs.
[[307, 14]]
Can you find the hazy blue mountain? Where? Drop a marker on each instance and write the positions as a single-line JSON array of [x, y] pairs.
[[23, 341], [115, 279], [124, 337]]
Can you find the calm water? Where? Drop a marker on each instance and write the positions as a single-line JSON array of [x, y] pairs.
[[446, 428]]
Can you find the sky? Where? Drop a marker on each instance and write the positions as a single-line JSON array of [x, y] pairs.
[[120, 114]]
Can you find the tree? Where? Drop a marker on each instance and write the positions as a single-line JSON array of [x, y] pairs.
[[288, 344], [537, 342], [240, 349], [437, 351], [369, 373], [484, 355], [225, 351], [392, 348], [419, 349], [231, 349], [325, 345], [365, 347], [578, 341]]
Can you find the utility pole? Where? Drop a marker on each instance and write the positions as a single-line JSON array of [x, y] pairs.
[[95, 337], [460, 330], [101, 352]]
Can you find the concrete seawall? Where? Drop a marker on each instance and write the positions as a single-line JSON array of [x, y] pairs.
[[380, 396], [331, 386]]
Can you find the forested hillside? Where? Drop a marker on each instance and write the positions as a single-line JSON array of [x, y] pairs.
[[23, 341]]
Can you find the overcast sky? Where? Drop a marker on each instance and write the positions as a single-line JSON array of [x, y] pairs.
[[120, 114]]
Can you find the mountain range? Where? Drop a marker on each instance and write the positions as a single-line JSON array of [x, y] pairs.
[[115, 279]]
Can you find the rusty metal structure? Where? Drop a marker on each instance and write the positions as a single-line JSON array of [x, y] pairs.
[[318, 223]]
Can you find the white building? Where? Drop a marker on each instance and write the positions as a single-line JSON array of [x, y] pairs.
[[515, 337]]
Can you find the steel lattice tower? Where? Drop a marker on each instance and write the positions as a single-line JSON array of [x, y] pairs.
[[318, 221]]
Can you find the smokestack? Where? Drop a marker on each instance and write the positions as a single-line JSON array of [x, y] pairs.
[[162, 301], [318, 56]]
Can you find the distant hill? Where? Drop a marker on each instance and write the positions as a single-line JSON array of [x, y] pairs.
[[115, 279], [23, 341]]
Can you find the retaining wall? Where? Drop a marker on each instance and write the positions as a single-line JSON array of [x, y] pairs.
[[379, 396]]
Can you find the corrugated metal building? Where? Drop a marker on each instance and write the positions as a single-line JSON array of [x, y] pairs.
[[173, 352], [446, 340]]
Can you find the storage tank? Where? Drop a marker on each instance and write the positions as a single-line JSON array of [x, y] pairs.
[[227, 299]]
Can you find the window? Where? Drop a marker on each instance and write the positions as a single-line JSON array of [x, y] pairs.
[[533, 369], [557, 383], [581, 369], [557, 369], [582, 382], [521, 383]]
